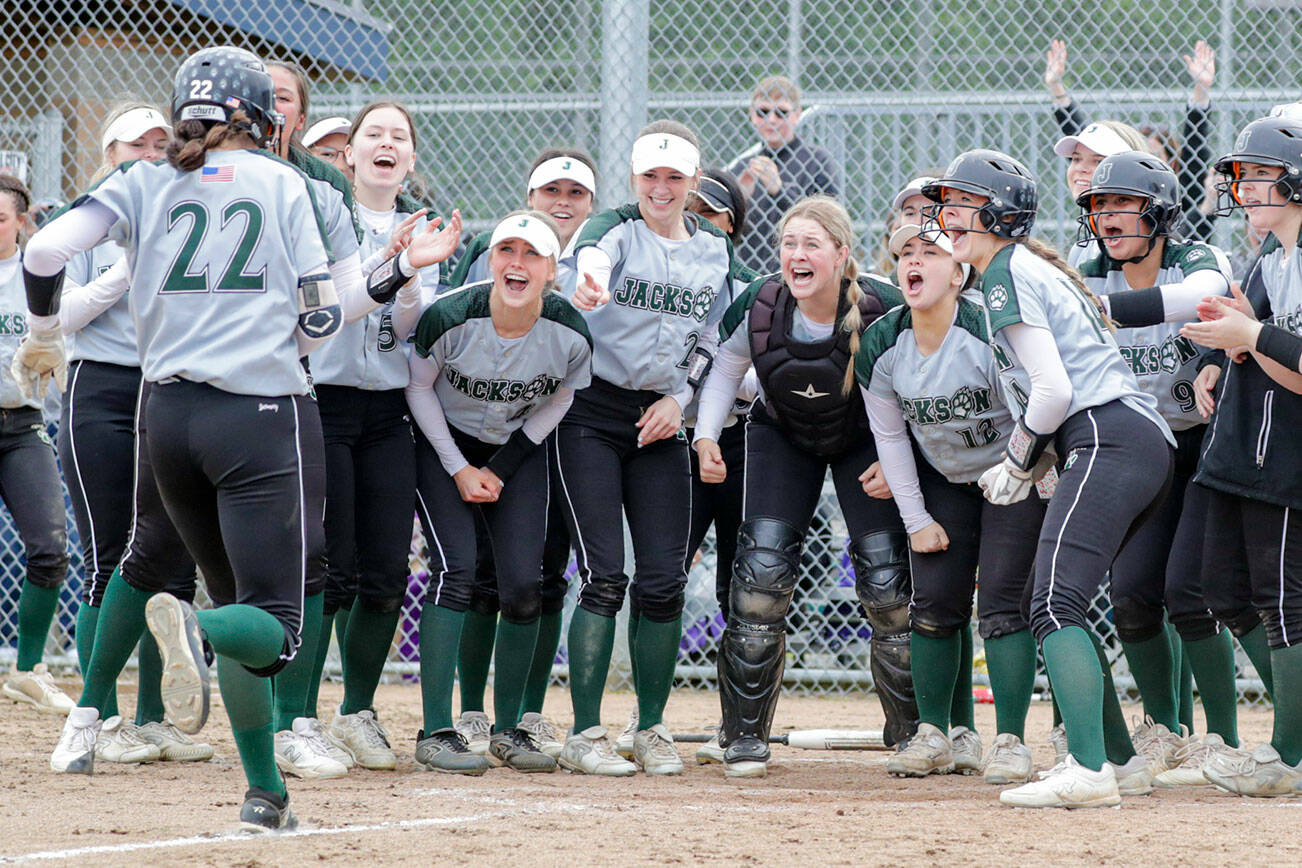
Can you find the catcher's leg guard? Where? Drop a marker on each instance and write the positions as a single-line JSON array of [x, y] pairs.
[[754, 645], [881, 571]]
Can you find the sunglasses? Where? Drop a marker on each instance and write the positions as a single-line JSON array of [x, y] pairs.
[[780, 113]]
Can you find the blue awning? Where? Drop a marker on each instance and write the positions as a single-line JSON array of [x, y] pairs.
[[322, 29]]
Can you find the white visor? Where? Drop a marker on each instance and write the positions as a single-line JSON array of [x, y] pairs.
[[132, 125], [909, 231], [1290, 110], [913, 189], [665, 150], [529, 229], [323, 128], [1102, 140], [567, 168]]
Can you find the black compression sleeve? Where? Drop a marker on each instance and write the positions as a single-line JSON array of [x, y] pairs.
[[1136, 308], [43, 293], [511, 454], [1281, 346]]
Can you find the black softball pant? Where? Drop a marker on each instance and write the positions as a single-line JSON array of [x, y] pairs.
[[555, 560], [97, 448], [370, 457], [1115, 468], [720, 504], [1252, 561], [999, 541], [516, 525], [1168, 544], [600, 468], [29, 486], [229, 470]]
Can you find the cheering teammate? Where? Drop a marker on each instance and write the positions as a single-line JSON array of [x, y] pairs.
[[1071, 390], [495, 368], [800, 329]]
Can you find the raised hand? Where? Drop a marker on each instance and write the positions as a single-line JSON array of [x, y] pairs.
[[435, 245], [588, 295]]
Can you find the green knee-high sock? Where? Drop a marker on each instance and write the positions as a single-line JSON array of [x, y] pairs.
[[591, 640], [341, 632], [121, 621], [1116, 737], [149, 696], [935, 664], [1010, 661], [1073, 666], [473, 658], [440, 634], [87, 620], [248, 704], [366, 648], [544, 655], [656, 654], [36, 607], [245, 633], [1258, 651], [318, 666], [292, 683], [1183, 680], [962, 708], [515, 644], [1154, 671], [634, 623], [1286, 668], [1212, 660]]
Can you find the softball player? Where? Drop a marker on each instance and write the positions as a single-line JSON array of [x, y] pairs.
[[562, 183], [29, 477], [496, 365], [926, 370], [801, 329], [650, 275], [1130, 212], [234, 291], [1249, 460], [1084, 151], [370, 453], [1070, 389]]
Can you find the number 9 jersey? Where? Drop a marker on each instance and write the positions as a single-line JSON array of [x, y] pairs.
[[216, 255]]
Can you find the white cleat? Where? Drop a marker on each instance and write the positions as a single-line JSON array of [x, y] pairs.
[[300, 752], [710, 752], [624, 741], [1009, 761], [333, 749], [543, 733], [119, 741], [654, 751], [1157, 744], [589, 752], [476, 729], [967, 749], [1067, 785], [1058, 741], [1261, 773], [365, 739], [174, 745], [1135, 778], [37, 689], [928, 752], [1189, 762], [75, 752], [184, 682]]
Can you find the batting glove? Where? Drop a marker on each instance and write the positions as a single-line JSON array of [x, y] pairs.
[[41, 356], [1005, 483]]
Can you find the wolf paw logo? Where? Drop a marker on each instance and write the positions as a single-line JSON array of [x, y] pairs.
[[997, 298]]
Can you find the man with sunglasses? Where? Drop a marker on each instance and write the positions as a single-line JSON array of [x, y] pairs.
[[779, 171]]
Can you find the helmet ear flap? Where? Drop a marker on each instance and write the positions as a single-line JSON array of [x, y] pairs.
[[989, 221]]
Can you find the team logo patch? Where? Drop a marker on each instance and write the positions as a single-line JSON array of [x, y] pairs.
[[43, 435], [809, 392], [1196, 253], [1071, 459], [1101, 175], [997, 298]]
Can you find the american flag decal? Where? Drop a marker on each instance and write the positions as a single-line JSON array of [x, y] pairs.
[[217, 174]]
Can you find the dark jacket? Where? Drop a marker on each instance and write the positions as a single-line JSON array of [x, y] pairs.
[[805, 170]]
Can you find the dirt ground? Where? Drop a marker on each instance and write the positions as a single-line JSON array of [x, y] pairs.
[[814, 808]]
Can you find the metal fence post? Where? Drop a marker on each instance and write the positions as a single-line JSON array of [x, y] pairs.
[[625, 37]]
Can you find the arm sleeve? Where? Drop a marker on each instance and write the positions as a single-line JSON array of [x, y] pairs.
[[595, 261], [719, 391], [1071, 120], [1172, 302], [407, 308], [75, 230], [1051, 390], [1280, 345], [428, 413], [81, 304], [896, 457], [545, 419]]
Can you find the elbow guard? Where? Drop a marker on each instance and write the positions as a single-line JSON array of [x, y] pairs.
[[383, 283], [43, 293], [319, 313], [1025, 446], [698, 367]]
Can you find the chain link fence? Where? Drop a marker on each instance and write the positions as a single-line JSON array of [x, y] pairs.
[[889, 89]]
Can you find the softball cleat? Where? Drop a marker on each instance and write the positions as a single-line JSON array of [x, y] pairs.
[[185, 685]]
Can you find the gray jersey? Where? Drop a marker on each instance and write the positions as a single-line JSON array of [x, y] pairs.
[[366, 353], [489, 385], [950, 399], [1020, 287], [111, 336], [472, 267], [1282, 275], [13, 328], [661, 295], [1164, 362], [215, 256]]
